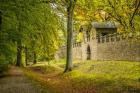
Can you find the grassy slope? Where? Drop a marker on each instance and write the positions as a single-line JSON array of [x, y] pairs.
[[91, 77]]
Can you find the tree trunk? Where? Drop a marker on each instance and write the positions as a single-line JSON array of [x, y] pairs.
[[26, 56], [19, 42], [19, 53], [70, 10], [35, 61], [0, 20]]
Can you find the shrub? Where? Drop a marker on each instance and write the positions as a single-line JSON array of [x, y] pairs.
[[3, 66]]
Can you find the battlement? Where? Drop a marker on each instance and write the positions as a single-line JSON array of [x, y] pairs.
[[116, 37], [77, 44]]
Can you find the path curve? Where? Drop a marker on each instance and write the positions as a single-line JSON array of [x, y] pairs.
[[16, 82]]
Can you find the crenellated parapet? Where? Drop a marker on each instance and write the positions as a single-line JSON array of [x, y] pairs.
[[115, 37], [77, 44]]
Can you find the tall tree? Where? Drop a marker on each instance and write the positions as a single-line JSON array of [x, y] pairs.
[[60, 6], [20, 26], [70, 12]]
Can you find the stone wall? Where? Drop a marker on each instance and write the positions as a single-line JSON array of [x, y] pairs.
[[108, 47], [77, 50], [117, 47], [61, 53]]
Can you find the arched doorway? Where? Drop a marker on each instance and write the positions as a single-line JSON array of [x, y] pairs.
[[88, 53]]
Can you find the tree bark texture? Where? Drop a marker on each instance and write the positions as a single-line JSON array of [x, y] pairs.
[[26, 56], [19, 53], [70, 10], [35, 61]]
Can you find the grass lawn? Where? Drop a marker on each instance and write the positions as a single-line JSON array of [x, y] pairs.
[[88, 76]]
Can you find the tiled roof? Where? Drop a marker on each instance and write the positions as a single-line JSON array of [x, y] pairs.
[[105, 24]]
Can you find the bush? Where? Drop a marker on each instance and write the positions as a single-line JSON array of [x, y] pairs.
[[3, 66]]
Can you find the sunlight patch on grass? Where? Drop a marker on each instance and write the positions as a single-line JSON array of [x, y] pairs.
[[94, 77]]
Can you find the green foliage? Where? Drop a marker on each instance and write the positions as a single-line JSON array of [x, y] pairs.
[[125, 12], [34, 24], [3, 65]]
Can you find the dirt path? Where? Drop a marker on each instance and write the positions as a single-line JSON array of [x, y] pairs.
[[16, 82]]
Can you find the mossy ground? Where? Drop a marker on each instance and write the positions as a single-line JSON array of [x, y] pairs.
[[88, 76]]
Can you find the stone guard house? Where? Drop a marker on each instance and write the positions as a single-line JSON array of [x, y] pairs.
[[102, 42]]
